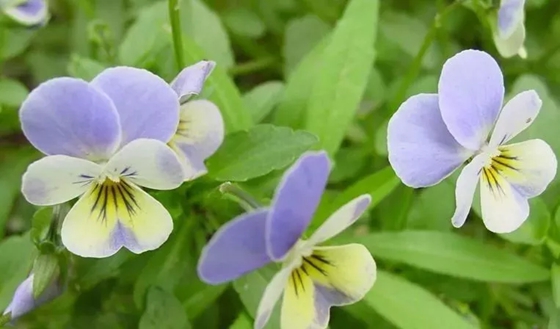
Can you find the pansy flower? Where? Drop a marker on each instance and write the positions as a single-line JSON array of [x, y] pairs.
[[312, 278], [23, 300], [432, 135], [509, 32], [26, 12], [104, 140], [201, 128]]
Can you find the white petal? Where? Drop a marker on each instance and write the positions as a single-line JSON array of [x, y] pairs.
[[535, 166], [465, 188], [341, 219], [147, 162], [510, 14], [512, 45], [503, 208], [330, 276], [58, 178], [516, 115], [199, 135], [271, 295], [114, 215]]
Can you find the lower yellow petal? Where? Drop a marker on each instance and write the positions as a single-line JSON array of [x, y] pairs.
[[331, 276], [112, 215]]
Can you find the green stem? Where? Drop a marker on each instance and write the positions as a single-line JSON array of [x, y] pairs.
[[414, 68], [252, 66], [246, 200], [175, 18]]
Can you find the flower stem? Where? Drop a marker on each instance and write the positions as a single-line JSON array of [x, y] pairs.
[[252, 66], [246, 200], [414, 68], [175, 19]]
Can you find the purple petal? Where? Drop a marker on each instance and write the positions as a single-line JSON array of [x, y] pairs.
[[68, 116], [509, 16], [421, 150], [147, 106], [30, 12], [237, 248], [23, 301], [191, 79], [295, 201], [471, 91]]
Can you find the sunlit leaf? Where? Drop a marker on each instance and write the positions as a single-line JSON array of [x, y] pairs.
[[452, 254], [341, 82], [409, 306], [262, 149]]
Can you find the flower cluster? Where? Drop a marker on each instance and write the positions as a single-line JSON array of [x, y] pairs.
[[127, 129], [432, 135], [107, 138], [312, 278]]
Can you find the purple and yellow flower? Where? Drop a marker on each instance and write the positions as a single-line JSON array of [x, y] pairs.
[[312, 278], [23, 300], [104, 140], [509, 33], [432, 135], [201, 128], [26, 12]]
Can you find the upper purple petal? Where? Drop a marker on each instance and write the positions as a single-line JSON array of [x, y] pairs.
[[237, 248], [421, 150], [509, 16], [471, 91], [30, 12], [295, 201], [147, 106], [68, 116], [191, 79]]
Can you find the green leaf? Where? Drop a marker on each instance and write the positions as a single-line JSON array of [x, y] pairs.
[[262, 99], [262, 149], [451, 254], [243, 321], [221, 90], [12, 92], [378, 185], [92, 271], [535, 229], [12, 166], [84, 68], [197, 303], [206, 29], [346, 63], [409, 306], [40, 226], [302, 34], [250, 289], [291, 110], [16, 257], [163, 311], [44, 269], [407, 33], [433, 208], [244, 22], [555, 275], [168, 264], [146, 37], [13, 41]]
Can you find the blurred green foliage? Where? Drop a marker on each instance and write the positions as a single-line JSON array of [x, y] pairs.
[[328, 74]]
